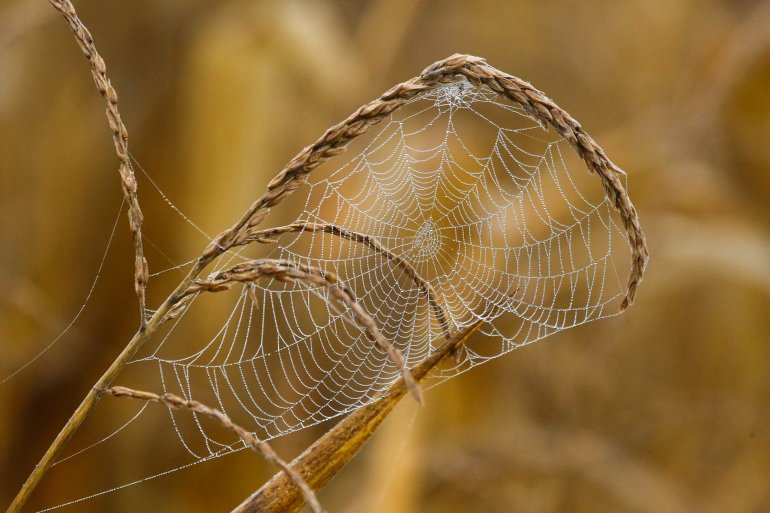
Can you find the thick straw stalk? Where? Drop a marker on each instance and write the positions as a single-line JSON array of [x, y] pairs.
[[330, 453]]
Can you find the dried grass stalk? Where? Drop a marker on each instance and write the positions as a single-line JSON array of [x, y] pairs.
[[478, 72], [263, 448], [120, 140]]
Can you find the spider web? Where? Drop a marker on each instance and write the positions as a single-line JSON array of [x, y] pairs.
[[493, 210]]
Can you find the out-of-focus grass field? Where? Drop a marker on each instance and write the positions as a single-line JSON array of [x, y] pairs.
[[663, 409]]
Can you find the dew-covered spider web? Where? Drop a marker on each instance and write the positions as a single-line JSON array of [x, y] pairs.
[[495, 212], [490, 208]]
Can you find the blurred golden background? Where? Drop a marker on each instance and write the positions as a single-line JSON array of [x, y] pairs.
[[663, 409]]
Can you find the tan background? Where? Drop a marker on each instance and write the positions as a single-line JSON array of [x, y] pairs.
[[664, 409]]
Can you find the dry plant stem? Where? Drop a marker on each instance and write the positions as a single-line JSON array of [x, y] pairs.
[[267, 237], [330, 453], [333, 142], [289, 272], [119, 138], [263, 448], [90, 400]]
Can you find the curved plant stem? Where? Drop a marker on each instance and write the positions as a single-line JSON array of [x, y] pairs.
[[268, 236], [263, 448]]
